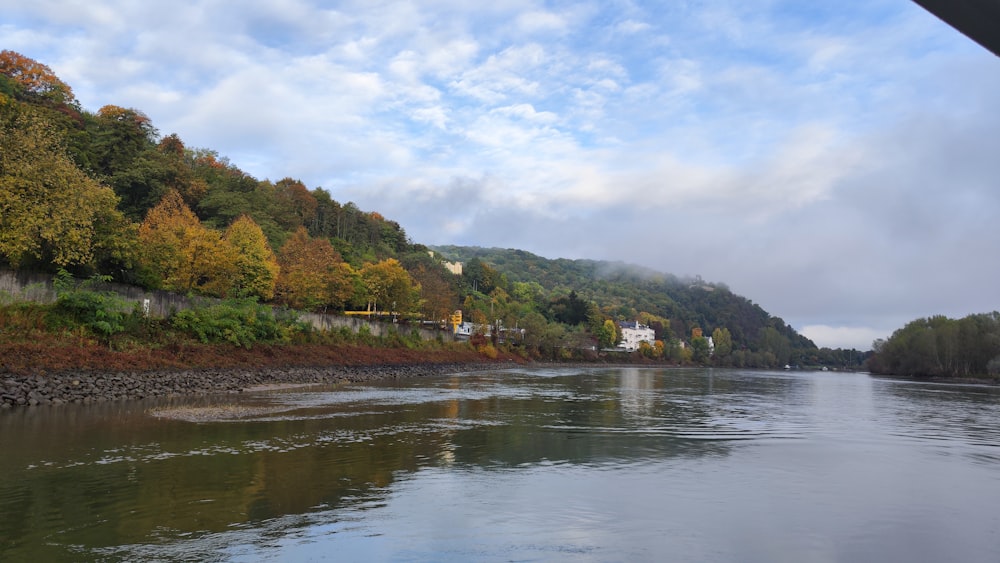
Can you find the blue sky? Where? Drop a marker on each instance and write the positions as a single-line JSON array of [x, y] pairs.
[[833, 161]]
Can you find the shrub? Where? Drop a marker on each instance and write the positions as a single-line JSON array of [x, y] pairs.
[[103, 313], [243, 322], [22, 319], [365, 336], [488, 350]]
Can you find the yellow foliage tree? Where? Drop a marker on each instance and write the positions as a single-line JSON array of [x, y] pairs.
[[388, 285], [256, 266], [49, 209], [182, 253]]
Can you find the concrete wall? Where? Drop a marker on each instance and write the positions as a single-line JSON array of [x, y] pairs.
[[30, 286]]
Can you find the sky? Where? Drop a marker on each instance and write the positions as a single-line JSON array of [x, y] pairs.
[[835, 161]]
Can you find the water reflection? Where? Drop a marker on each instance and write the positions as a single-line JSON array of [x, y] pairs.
[[573, 446], [930, 412]]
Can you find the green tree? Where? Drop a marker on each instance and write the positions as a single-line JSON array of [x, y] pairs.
[[699, 349], [609, 336], [773, 342], [723, 342]]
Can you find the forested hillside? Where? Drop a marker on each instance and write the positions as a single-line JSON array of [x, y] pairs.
[[672, 306], [105, 193]]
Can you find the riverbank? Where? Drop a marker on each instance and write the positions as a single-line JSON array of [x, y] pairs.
[[90, 387], [46, 373]]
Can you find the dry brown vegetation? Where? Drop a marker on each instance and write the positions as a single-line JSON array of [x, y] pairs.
[[54, 354]]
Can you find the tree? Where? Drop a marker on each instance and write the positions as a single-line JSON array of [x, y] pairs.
[[388, 284], [481, 277], [297, 204], [436, 293], [723, 341], [256, 266], [50, 210], [34, 78], [772, 341], [312, 274], [699, 349], [608, 336], [529, 293], [183, 255], [570, 310]]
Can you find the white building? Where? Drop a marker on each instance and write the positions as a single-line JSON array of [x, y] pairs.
[[634, 333], [453, 267]]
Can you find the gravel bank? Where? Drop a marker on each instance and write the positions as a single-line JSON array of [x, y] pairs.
[[90, 387]]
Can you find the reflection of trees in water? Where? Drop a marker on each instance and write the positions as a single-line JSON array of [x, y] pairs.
[[120, 476], [610, 415], [940, 412], [131, 477]]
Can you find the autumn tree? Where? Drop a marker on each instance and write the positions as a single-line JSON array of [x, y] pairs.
[[181, 254], [296, 204], [178, 174], [50, 210], [654, 350], [437, 296], [256, 265], [312, 274], [388, 285], [34, 79]]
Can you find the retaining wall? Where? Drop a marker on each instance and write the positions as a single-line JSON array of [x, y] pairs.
[[32, 286]]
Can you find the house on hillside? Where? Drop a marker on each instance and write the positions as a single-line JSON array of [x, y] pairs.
[[633, 334], [453, 267]]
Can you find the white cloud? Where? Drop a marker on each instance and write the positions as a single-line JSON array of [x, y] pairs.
[[539, 21], [630, 27]]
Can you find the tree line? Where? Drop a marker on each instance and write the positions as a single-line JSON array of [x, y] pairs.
[[941, 347]]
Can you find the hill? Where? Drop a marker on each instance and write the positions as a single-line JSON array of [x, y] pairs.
[[103, 193], [627, 292]]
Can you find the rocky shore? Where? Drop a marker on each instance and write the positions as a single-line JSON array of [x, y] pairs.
[[90, 387]]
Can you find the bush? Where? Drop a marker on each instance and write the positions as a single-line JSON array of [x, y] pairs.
[[243, 322], [365, 336], [22, 319], [488, 350], [103, 313]]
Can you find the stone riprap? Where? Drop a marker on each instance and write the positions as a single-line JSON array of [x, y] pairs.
[[90, 387]]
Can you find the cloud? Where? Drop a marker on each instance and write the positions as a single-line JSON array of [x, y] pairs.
[[540, 21], [857, 338]]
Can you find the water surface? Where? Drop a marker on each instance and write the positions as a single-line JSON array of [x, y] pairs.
[[520, 465]]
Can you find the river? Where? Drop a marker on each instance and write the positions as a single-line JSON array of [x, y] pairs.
[[562, 464]]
